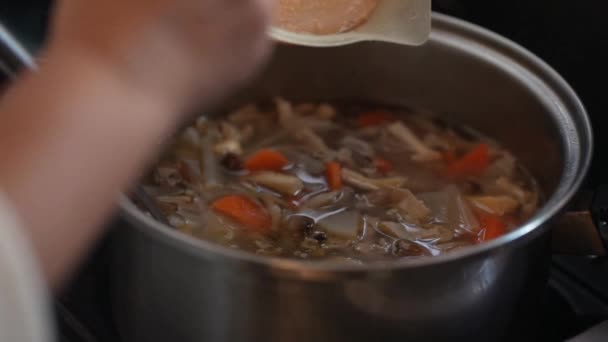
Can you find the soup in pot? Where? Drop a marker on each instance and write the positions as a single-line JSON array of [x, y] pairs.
[[353, 183]]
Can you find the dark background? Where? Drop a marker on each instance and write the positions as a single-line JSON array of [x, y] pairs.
[[571, 35]]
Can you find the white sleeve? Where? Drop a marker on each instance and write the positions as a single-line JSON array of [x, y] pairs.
[[25, 314]]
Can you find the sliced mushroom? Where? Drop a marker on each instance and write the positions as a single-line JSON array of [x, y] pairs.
[[312, 140], [498, 205], [322, 200], [273, 209], [285, 112], [360, 181], [421, 151], [279, 182]]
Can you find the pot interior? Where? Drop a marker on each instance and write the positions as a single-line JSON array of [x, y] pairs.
[[498, 90], [464, 74]]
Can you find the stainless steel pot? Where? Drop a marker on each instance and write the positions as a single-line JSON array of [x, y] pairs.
[[169, 287]]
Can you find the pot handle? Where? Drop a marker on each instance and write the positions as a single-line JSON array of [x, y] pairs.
[[584, 229]]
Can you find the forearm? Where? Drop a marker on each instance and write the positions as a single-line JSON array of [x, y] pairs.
[[72, 137]]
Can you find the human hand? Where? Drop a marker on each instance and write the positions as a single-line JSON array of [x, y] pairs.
[[178, 50]]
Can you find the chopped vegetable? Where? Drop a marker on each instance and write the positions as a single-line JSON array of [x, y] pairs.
[[282, 183], [498, 205], [312, 141], [405, 135], [333, 175], [472, 164], [244, 211], [345, 224], [361, 182], [375, 118], [383, 166], [309, 181], [268, 160], [412, 207], [492, 227]]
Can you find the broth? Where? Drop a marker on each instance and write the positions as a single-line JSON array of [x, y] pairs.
[[345, 183]]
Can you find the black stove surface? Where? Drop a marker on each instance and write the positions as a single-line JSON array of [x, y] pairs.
[[571, 36]]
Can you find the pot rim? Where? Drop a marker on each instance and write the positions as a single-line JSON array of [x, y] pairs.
[[538, 76]]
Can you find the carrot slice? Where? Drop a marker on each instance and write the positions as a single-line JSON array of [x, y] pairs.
[[374, 118], [382, 165], [266, 160], [492, 227], [333, 175], [244, 211], [473, 163]]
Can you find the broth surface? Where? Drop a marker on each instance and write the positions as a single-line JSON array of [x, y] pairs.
[[342, 183]]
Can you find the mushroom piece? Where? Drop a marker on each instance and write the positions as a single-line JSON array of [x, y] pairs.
[[227, 147], [286, 114], [322, 200], [498, 205], [364, 183], [421, 151], [229, 140], [273, 209], [312, 140], [279, 182]]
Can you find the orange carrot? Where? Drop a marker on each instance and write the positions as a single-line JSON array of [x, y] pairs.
[[333, 175], [492, 227], [473, 163], [383, 165], [266, 160], [374, 118], [244, 211]]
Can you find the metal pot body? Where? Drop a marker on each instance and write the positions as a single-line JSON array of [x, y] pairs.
[[168, 287]]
